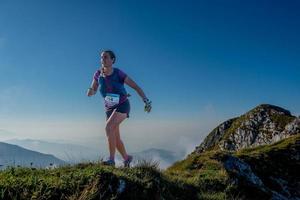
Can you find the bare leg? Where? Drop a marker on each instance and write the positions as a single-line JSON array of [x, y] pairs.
[[119, 143], [111, 124]]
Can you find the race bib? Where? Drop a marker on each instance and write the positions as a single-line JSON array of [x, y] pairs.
[[111, 99]]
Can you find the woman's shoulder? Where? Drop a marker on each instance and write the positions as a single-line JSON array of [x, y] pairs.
[[97, 74], [121, 74], [117, 69], [120, 71]]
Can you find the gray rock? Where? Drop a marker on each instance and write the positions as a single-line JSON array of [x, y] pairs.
[[260, 126], [243, 172]]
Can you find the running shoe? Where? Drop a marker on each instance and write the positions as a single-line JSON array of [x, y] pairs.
[[128, 161]]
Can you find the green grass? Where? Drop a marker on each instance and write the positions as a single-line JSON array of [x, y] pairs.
[[281, 120], [93, 180], [204, 172], [282, 145], [90, 181]]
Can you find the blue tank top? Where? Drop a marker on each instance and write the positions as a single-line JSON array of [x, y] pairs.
[[112, 84]]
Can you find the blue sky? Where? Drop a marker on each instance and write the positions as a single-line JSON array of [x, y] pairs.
[[200, 62]]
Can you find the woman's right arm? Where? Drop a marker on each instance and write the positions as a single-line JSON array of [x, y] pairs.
[[94, 86], [93, 89]]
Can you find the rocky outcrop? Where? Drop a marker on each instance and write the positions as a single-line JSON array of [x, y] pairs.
[[262, 125], [270, 172], [215, 136], [264, 172], [277, 166], [254, 156]]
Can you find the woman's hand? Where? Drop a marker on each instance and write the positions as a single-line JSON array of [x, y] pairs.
[[148, 106], [90, 92]]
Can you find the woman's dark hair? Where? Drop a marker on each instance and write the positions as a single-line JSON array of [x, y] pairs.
[[111, 54]]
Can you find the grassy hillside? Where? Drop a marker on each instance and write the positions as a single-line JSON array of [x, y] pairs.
[[91, 181], [206, 173], [275, 165], [199, 176]]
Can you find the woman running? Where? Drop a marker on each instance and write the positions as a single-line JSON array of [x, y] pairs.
[[110, 81]]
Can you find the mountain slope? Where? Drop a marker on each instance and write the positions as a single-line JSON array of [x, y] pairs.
[[76, 153], [254, 156], [264, 172], [13, 155], [262, 125]]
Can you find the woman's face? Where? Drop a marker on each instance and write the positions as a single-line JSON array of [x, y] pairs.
[[106, 60]]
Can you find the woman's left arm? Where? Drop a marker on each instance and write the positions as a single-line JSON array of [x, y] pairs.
[[133, 85]]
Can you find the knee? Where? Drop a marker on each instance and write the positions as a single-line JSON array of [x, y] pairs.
[[109, 128]]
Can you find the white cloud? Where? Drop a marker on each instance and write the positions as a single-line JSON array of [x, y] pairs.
[[175, 135]]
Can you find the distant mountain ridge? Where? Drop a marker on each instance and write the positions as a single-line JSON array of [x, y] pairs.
[[68, 152], [13, 155], [74, 153], [265, 124]]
